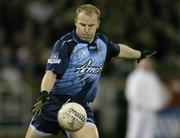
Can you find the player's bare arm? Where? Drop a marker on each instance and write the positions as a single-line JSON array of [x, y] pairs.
[[46, 86], [127, 52], [48, 81], [130, 53]]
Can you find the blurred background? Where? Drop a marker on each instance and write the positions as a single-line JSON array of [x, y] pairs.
[[29, 29]]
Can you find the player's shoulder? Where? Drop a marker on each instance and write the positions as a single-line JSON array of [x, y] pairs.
[[103, 37], [67, 39]]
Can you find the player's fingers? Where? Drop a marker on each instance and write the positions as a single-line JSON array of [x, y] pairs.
[[151, 54], [37, 103], [35, 107], [37, 112], [34, 110]]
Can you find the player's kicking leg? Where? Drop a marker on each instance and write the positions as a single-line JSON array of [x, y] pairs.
[[88, 131]]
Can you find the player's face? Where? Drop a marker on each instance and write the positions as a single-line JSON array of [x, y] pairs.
[[86, 26]]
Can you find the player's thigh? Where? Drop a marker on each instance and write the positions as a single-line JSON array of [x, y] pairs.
[[88, 131], [32, 132]]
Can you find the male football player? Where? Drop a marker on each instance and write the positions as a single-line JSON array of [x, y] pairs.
[[73, 71]]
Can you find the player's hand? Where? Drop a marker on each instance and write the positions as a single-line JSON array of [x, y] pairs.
[[43, 97], [146, 54]]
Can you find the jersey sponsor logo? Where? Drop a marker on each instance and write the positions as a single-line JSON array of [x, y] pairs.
[[54, 59], [88, 68]]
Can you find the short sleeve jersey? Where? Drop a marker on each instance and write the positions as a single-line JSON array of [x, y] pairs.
[[78, 65]]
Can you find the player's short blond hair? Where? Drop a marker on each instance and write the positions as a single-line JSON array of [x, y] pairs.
[[89, 9]]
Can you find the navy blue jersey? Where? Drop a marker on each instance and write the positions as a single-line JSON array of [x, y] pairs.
[[78, 65]]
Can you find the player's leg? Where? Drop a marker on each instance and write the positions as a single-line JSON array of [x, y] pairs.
[[34, 133], [88, 131], [45, 124]]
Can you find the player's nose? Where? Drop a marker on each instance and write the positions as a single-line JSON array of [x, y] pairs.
[[86, 29]]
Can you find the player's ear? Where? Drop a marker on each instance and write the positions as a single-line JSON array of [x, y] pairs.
[[75, 21], [98, 24]]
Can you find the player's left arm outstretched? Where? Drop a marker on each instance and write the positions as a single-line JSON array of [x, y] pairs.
[[127, 52]]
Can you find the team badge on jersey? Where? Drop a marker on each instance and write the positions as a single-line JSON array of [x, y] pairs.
[[54, 59]]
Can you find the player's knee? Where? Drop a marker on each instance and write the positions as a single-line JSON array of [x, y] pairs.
[[88, 131]]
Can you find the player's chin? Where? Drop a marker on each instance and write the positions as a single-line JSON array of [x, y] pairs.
[[86, 39]]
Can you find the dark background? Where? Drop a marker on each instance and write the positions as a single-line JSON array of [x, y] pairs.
[[29, 29]]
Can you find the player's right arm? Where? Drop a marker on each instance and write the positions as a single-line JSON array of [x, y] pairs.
[[55, 68], [48, 81], [46, 86]]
